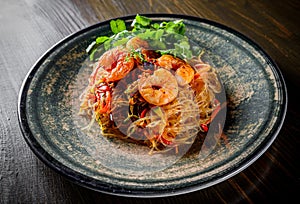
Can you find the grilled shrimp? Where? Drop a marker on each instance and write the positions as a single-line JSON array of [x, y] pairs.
[[184, 72], [208, 75], [159, 88], [117, 62], [136, 43], [142, 46]]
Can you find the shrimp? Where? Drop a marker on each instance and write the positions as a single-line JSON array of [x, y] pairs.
[[136, 43], [184, 72], [142, 46], [208, 75], [117, 62], [173, 123], [159, 88]]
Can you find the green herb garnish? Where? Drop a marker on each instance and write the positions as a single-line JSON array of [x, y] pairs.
[[117, 26], [166, 37]]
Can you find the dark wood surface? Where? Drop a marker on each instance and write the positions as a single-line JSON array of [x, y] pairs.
[[29, 28]]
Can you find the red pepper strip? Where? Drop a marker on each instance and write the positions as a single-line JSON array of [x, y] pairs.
[[215, 112], [165, 141], [161, 139], [196, 76], [105, 107], [204, 127], [103, 96], [143, 113]]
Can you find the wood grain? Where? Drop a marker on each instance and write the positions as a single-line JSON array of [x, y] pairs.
[[29, 28]]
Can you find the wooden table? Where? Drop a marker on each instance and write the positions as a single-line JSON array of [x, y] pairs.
[[29, 28]]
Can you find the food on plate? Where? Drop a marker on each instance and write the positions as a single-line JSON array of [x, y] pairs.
[[148, 86]]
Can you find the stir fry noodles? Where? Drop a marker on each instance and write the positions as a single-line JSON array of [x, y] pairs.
[[146, 92]]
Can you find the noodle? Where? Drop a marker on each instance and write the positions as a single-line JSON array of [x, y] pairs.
[[162, 103]]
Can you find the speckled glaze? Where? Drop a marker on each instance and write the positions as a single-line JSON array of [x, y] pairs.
[[255, 92]]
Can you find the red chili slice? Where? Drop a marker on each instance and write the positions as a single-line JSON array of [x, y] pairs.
[[165, 141], [143, 113], [204, 127]]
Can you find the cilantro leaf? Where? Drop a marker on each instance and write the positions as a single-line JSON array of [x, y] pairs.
[[117, 26], [101, 39], [174, 27], [141, 21], [165, 37]]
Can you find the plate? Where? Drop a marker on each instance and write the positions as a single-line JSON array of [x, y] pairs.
[[256, 106]]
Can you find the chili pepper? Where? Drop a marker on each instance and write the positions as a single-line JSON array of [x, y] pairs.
[[215, 112], [143, 113], [105, 107], [165, 141], [196, 76], [204, 127]]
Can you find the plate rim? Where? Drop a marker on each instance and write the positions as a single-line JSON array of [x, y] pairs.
[[100, 186]]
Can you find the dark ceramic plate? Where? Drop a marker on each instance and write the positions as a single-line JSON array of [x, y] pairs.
[[256, 106]]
